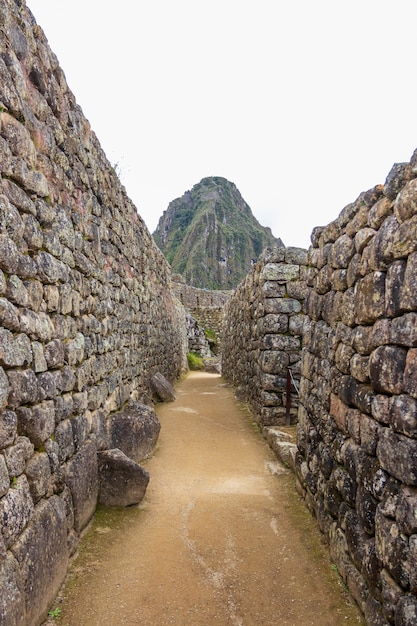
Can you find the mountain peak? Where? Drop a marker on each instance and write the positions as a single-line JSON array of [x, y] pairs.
[[210, 235]]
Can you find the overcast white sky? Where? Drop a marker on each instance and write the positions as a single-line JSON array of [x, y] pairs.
[[302, 104]]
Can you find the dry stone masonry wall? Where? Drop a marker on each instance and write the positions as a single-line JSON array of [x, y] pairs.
[[357, 431], [87, 317], [264, 322], [207, 308]]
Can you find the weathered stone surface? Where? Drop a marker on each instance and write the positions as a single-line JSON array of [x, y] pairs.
[[406, 512], [42, 562], [16, 509], [408, 300], [82, 480], [397, 455], [12, 601], [38, 473], [17, 455], [386, 369], [370, 298], [403, 330], [8, 427], [410, 373], [392, 548], [280, 272], [162, 388], [37, 423], [282, 305], [9, 317], [403, 415], [405, 205], [122, 481], [134, 431], [23, 387], [406, 611]]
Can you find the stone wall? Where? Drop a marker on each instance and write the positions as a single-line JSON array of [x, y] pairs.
[[206, 306], [356, 463], [264, 322], [87, 318], [357, 431]]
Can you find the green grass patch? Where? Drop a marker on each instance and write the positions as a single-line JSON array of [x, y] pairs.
[[195, 362]]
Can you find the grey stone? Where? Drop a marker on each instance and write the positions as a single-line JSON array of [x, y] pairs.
[[162, 388], [9, 255], [64, 440], [39, 361], [405, 205], [403, 415], [16, 509], [134, 431], [17, 455], [403, 330], [4, 478], [406, 611], [23, 387], [410, 373], [43, 563], [12, 600], [122, 481], [37, 423], [82, 481], [38, 473], [397, 455], [50, 270], [274, 362], [370, 298], [8, 427], [9, 317], [408, 300], [386, 369], [406, 512], [281, 272], [14, 351], [282, 305], [16, 291]]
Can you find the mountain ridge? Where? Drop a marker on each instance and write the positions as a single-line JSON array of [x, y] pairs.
[[210, 236]]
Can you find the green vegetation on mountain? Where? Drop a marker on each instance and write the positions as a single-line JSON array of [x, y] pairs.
[[210, 235]]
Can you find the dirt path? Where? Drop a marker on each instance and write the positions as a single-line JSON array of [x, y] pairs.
[[221, 538]]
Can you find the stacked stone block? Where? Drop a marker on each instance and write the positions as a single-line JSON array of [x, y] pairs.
[[206, 306], [357, 431], [264, 322], [87, 317]]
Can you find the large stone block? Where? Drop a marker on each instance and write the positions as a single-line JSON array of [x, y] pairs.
[[403, 415], [12, 601], [122, 481], [37, 423], [392, 548], [42, 555], [282, 305], [8, 426], [162, 388], [16, 509], [408, 300], [281, 272], [82, 480], [410, 373], [406, 611], [370, 298], [23, 387], [4, 388], [397, 455], [386, 369], [135, 431], [274, 361]]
